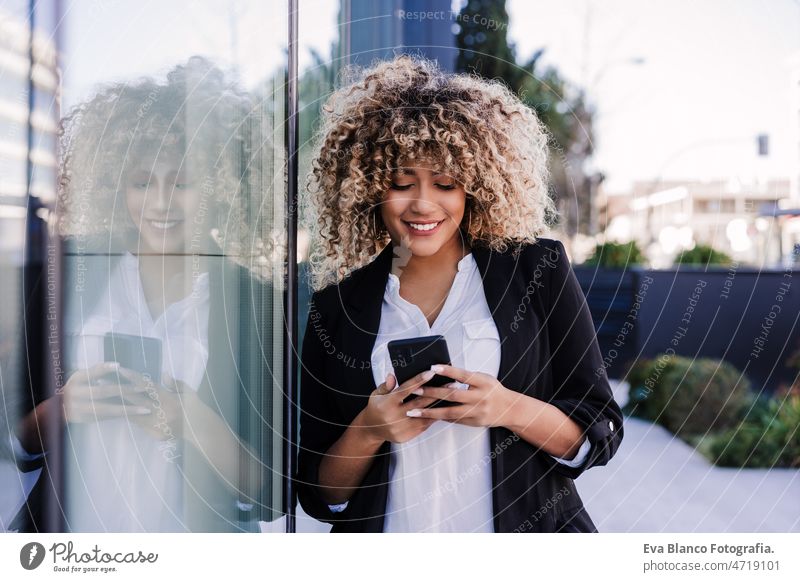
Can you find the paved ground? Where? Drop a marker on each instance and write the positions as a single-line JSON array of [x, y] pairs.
[[658, 483]]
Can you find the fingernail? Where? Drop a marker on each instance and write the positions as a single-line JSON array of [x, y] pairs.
[[427, 375], [141, 410], [437, 369], [415, 412], [418, 391], [112, 365]]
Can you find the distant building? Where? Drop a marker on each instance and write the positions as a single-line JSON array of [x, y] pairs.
[[381, 29], [794, 122], [15, 120], [667, 216]]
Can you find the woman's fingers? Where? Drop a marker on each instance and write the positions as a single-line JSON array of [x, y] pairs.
[[138, 398], [450, 394], [449, 413], [388, 385], [137, 379], [98, 391], [459, 374], [420, 402], [87, 412], [94, 373], [413, 385]]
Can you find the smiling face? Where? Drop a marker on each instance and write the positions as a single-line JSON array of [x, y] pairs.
[[164, 205], [423, 208]]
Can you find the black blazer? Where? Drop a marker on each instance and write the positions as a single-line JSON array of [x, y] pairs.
[[548, 351]]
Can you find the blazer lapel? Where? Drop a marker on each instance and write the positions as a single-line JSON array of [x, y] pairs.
[[366, 296], [497, 274], [361, 297]]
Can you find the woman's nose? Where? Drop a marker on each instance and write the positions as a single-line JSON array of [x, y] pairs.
[[160, 196], [424, 199]]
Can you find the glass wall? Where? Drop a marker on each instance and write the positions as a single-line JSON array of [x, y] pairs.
[[163, 409], [28, 261]]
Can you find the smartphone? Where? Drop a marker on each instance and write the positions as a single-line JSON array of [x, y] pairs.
[[138, 353], [415, 355]]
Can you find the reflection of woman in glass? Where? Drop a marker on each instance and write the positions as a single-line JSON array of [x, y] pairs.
[[164, 406], [431, 195]]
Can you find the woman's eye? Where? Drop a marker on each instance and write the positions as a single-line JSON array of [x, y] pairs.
[[446, 186], [400, 187], [181, 185], [140, 185]]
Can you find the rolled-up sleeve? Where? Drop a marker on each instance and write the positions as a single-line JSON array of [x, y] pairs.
[[580, 456], [580, 386]]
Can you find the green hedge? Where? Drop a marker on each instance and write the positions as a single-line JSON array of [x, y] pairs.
[[708, 404], [688, 397], [703, 255], [616, 255], [768, 437]]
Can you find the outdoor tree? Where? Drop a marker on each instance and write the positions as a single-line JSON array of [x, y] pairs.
[[484, 49]]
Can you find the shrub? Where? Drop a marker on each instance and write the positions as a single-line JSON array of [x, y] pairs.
[[616, 255], [768, 437], [646, 397], [702, 255], [688, 397], [703, 395]]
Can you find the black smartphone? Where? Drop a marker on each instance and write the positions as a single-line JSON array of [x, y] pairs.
[[417, 354], [135, 352]]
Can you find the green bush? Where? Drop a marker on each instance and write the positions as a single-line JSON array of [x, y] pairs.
[[768, 437], [646, 398], [702, 255], [703, 395], [616, 255], [688, 397]]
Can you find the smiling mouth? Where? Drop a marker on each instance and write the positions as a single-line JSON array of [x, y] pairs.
[[164, 224], [423, 226]]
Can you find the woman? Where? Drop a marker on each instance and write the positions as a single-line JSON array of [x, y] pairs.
[[431, 195], [153, 203]]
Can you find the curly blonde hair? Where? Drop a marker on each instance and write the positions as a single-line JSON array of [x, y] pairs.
[[198, 115], [477, 131]]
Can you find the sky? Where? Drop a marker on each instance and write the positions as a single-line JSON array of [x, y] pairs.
[[714, 74]]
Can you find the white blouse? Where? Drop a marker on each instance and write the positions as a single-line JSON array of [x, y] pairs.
[[128, 480], [121, 478], [440, 481]]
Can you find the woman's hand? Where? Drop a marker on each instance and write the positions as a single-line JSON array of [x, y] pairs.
[[170, 405], [99, 393], [89, 395], [110, 391], [385, 418], [486, 402]]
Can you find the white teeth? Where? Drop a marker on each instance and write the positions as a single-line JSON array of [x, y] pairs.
[[163, 225], [429, 226]]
